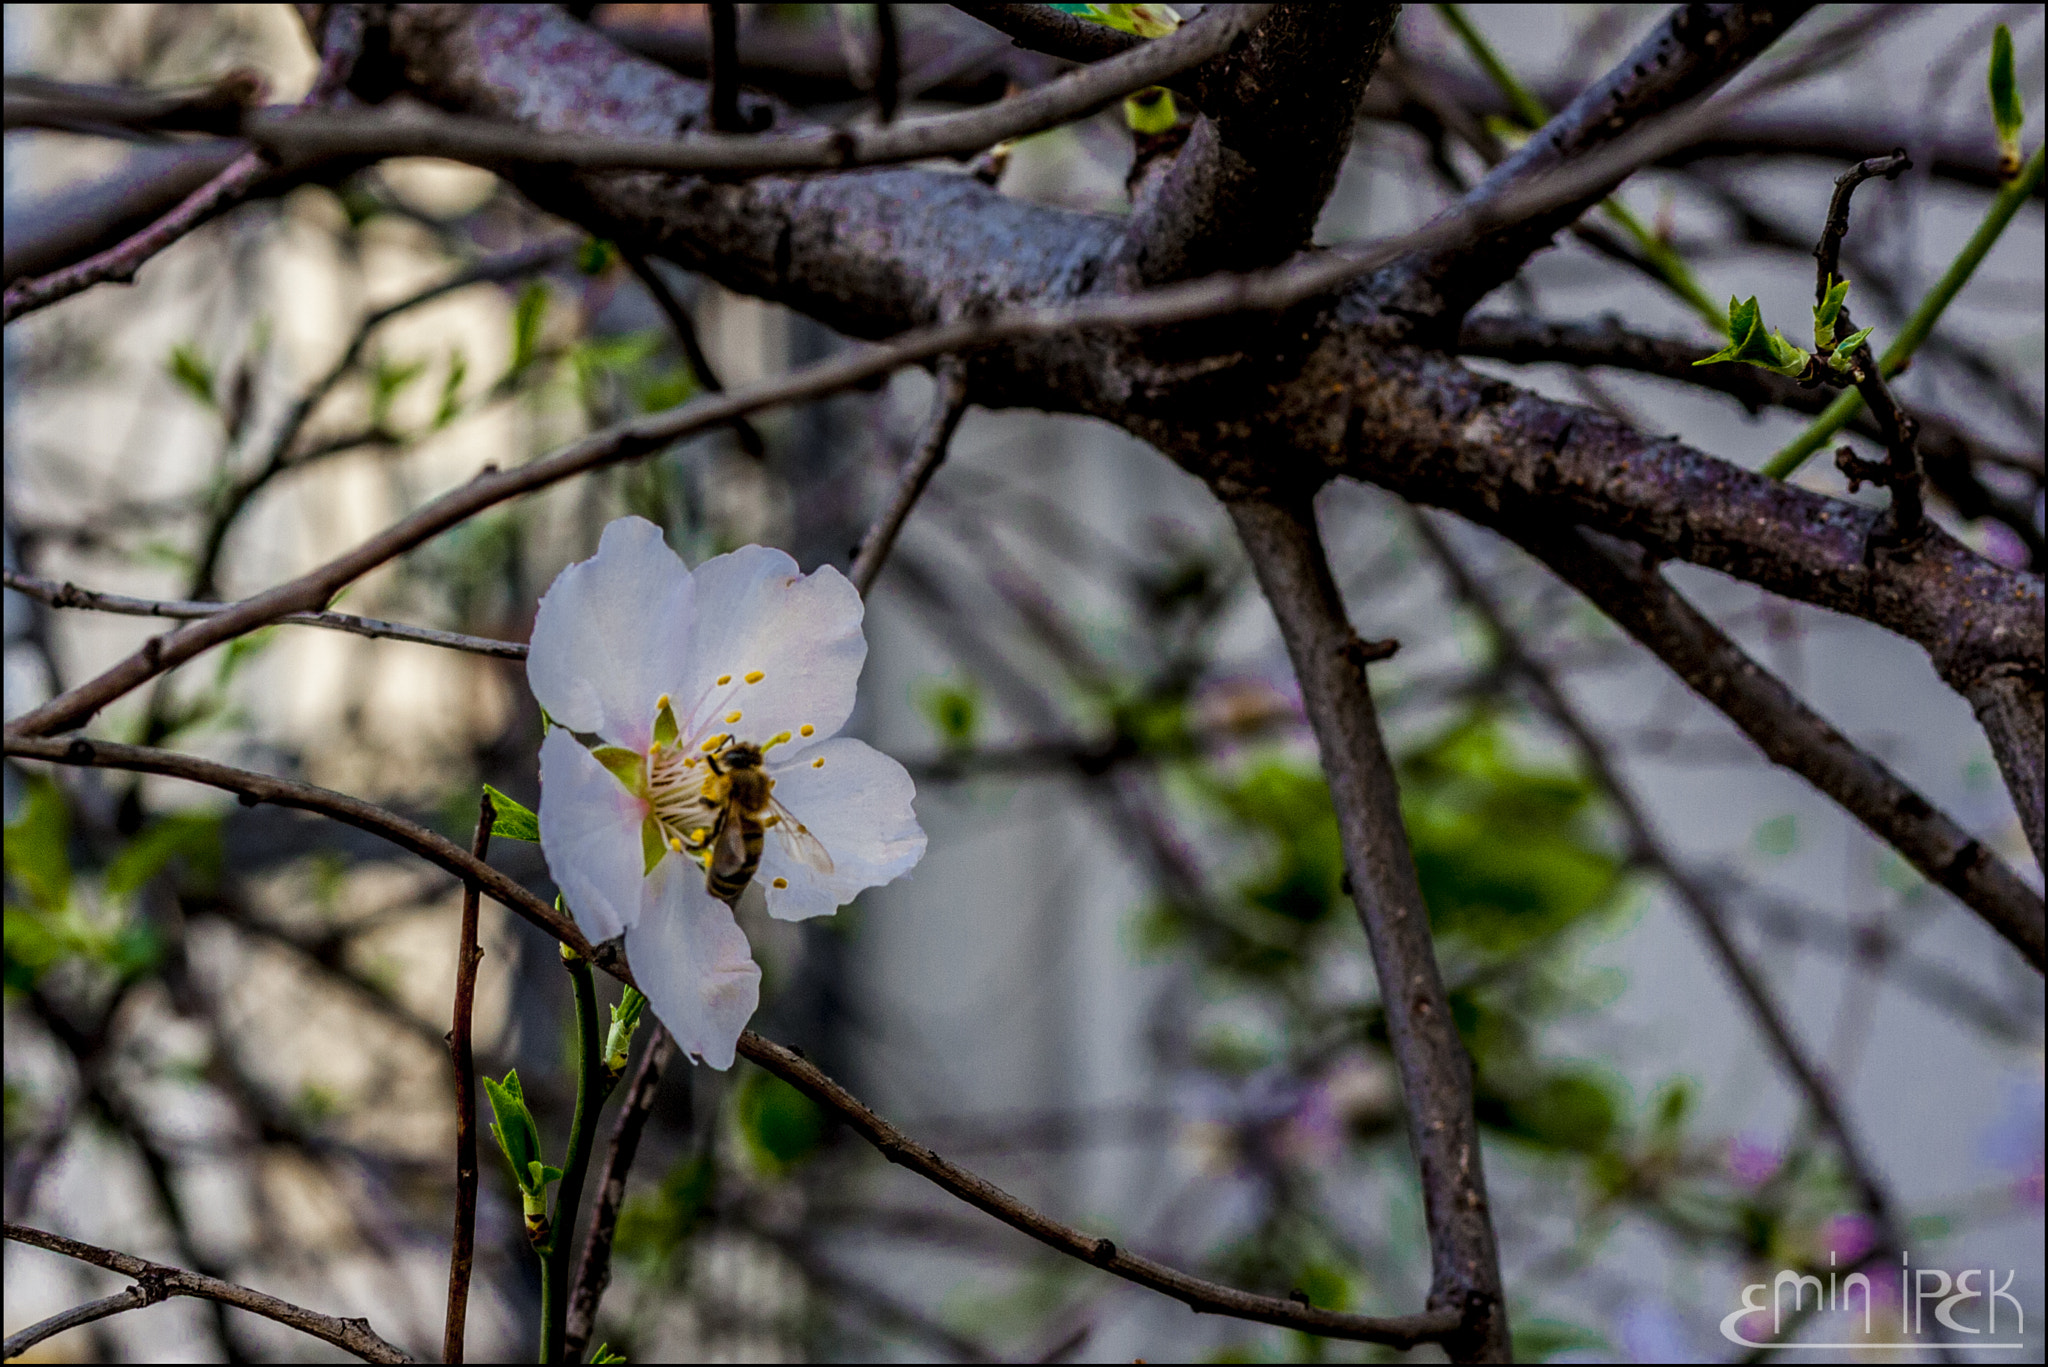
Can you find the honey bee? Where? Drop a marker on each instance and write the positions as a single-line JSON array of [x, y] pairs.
[[734, 809]]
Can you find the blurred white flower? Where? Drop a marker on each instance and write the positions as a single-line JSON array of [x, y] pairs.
[[663, 684]]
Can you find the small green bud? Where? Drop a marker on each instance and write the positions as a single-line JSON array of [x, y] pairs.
[[1751, 345], [511, 819], [1151, 111], [2006, 110], [618, 1042]]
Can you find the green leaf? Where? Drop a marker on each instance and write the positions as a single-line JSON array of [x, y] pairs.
[[665, 728], [192, 372], [653, 848], [1151, 111], [193, 837], [604, 1353], [781, 1125], [517, 1134], [38, 846], [1845, 351], [2006, 111], [1750, 345], [954, 710], [527, 317], [1825, 313], [389, 379], [451, 389], [629, 767], [1147, 21], [511, 819]]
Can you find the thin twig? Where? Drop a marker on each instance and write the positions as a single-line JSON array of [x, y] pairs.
[[355, 1335], [1648, 848], [888, 64], [1286, 551], [685, 329], [69, 595], [949, 402], [594, 1271], [725, 69], [461, 1050], [317, 136], [897, 1147], [120, 262], [593, 1085], [133, 1298]]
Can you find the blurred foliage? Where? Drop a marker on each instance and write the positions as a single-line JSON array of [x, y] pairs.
[[779, 1125]]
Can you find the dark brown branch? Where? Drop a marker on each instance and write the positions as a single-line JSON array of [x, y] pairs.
[[462, 1052], [1624, 584], [888, 64], [135, 1297], [121, 261], [69, 595], [301, 138], [1401, 1331], [1286, 552], [594, 1271], [1648, 849], [253, 787], [1245, 189], [685, 328], [1398, 1331], [1901, 472], [949, 402], [1690, 54], [354, 1335], [725, 69]]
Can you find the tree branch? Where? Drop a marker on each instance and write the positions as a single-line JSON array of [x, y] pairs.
[[461, 1052], [344, 42], [949, 402], [355, 1335], [1690, 54], [135, 1297], [69, 595], [1625, 584], [594, 1271], [1436, 1073], [1398, 1331], [685, 329]]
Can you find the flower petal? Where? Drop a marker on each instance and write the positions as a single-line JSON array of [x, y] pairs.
[[691, 959], [590, 836], [613, 634], [856, 801], [788, 645]]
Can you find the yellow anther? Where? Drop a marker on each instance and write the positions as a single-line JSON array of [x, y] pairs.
[[731, 717], [804, 730], [818, 763], [713, 742], [661, 701], [782, 882], [697, 836], [779, 738], [755, 676], [675, 844], [724, 679]]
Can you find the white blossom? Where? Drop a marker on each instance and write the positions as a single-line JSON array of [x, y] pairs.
[[647, 669]]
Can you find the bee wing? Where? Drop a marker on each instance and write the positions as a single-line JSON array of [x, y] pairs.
[[729, 845], [798, 840]]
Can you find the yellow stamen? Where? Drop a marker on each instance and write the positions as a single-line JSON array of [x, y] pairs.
[[697, 836], [724, 679], [675, 844], [755, 676], [779, 738], [713, 742], [818, 763], [806, 729], [661, 702], [782, 882], [731, 717]]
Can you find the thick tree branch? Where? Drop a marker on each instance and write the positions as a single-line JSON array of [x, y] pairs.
[[1690, 54], [160, 1280], [1245, 189], [1286, 552]]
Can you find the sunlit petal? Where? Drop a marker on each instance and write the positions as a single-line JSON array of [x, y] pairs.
[[857, 802], [692, 960], [590, 836]]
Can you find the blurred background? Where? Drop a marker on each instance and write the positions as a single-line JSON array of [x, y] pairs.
[[1125, 983]]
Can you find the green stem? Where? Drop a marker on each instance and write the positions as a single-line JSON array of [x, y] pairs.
[[1668, 264], [1837, 414], [591, 1089]]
